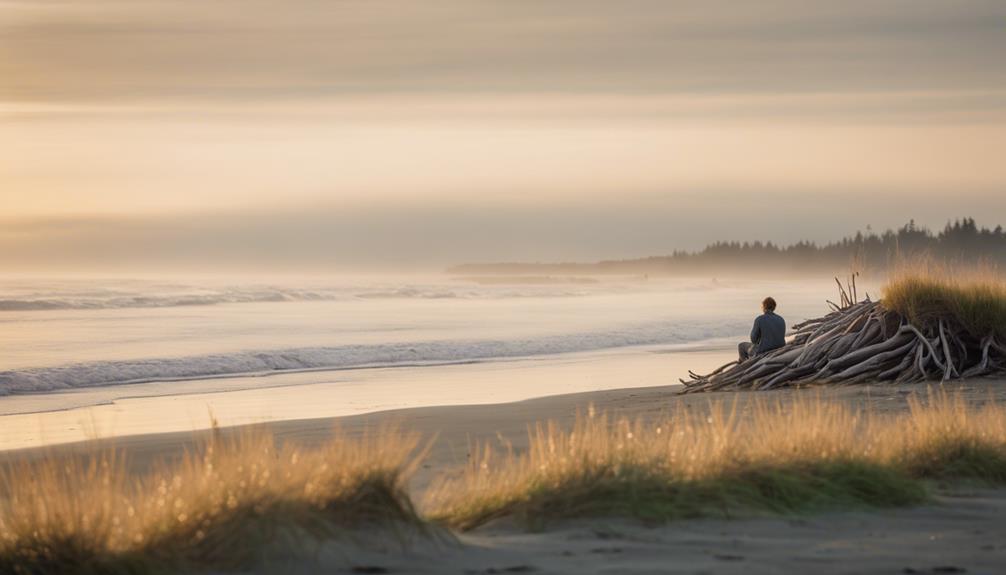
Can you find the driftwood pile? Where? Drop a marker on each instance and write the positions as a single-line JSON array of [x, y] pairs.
[[860, 341]]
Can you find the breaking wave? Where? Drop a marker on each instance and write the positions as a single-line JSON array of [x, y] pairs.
[[266, 362], [124, 300]]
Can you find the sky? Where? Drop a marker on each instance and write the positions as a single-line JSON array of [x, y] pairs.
[[336, 134]]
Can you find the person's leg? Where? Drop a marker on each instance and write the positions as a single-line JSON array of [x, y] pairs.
[[744, 350]]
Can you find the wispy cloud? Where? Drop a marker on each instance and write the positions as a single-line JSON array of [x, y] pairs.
[[254, 49]]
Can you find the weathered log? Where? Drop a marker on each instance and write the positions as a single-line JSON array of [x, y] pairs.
[[906, 362], [865, 352], [873, 360], [983, 365], [950, 371]]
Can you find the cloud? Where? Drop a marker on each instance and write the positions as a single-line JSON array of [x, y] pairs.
[[253, 49], [397, 132]]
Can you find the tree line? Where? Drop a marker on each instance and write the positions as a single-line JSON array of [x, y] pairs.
[[961, 241]]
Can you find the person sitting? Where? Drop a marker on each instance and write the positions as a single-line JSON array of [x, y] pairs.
[[768, 333]]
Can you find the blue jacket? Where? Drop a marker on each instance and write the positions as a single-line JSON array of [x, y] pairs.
[[768, 333]]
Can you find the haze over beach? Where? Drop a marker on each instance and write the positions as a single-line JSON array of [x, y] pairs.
[[159, 135], [459, 286]]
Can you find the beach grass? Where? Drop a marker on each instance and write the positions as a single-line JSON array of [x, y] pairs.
[[972, 299], [804, 456], [222, 506], [226, 504]]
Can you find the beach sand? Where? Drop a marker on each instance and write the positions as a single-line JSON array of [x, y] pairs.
[[963, 530]]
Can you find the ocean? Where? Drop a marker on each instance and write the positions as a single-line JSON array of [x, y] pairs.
[[64, 334], [67, 344]]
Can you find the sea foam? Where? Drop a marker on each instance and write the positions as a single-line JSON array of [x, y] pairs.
[[264, 362]]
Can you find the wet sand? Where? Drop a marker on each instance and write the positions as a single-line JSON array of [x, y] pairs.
[[182, 406]]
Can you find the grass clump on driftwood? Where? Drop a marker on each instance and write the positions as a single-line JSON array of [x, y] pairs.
[[926, 326], [782, 458], [221, 507], [974, 306]]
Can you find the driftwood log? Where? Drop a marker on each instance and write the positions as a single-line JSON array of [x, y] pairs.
[[860, 341]]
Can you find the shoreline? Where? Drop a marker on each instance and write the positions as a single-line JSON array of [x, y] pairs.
[[142, 409], [455, 428], [708, 345]]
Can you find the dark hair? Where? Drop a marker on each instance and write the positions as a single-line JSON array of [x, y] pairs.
[[768, 303]]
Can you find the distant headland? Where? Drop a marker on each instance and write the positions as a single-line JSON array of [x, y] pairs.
[[961, 242]]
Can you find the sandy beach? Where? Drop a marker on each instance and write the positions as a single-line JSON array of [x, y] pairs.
[[34, 420], [962, 531], [455, 287]]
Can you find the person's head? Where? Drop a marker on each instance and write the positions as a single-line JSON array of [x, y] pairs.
[[768, 304]]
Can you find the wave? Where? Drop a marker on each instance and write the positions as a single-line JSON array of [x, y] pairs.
[[348, 356], [118, 300], [161, 300]]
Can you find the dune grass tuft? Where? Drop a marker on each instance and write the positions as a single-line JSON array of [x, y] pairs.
[[221, 507], [973, 300], [808, 455]]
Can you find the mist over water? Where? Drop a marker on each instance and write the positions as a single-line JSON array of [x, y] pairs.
[[82, 333]]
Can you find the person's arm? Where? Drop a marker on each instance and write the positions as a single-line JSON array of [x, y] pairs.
[[756, 331]]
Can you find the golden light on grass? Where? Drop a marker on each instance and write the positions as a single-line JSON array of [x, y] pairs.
[[799, 456], [218, 507], [226, 504], [971, 299]]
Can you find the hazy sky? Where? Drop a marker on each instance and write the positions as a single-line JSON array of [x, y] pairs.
[[347, 132]]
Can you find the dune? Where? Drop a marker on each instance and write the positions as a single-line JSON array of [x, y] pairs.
[[959, 528]]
